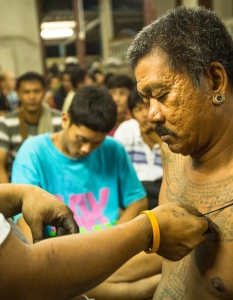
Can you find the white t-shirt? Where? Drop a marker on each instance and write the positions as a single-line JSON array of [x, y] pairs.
[[147, 162], [4, 228], [68, 100]]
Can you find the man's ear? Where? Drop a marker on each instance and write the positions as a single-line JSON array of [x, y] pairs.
[[217, 75], [65, 120]]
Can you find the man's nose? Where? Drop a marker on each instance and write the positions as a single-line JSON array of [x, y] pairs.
[[145, 112], [115, 97], [155, 114], [86, 148], [32, 95]]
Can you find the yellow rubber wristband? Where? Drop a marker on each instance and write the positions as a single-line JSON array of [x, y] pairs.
[[156, 231]]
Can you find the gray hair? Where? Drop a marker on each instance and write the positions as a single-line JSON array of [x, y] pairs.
[[191, 38]]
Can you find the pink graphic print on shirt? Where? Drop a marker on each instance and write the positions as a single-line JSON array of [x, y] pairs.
[[88, 211]]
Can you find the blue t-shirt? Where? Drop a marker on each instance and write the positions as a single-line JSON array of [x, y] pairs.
[[94, 187]]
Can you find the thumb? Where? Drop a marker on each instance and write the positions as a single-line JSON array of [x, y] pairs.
[[192, 210], [37, 231]]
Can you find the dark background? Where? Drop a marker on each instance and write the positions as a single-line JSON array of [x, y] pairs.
[[55, 10]]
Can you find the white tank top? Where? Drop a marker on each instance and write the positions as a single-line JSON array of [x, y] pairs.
[[4, 228]]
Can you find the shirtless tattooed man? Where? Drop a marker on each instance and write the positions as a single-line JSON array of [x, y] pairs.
[[184, 70]]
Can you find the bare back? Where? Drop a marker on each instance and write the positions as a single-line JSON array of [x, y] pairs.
[[206, 273]]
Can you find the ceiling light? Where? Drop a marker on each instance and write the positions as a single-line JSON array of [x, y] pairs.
[[58, 24], [56, 33]]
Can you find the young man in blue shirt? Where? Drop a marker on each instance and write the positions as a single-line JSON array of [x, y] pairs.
[[88, 171]]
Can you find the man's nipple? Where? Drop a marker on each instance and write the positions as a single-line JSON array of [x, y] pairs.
[[218, 284]]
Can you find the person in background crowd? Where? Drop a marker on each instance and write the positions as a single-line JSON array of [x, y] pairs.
[[61, 93], [79, 78], [8, 96], [81, 142], [120, 86], [32, 118], [4, 103], [143, 146], [8, 83], [98, 77], [53, 84]]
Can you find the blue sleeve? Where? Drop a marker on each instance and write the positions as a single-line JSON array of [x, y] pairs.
[[131, 189], [23, 169]]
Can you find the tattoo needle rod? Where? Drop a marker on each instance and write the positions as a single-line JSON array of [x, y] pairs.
[[209, 212]]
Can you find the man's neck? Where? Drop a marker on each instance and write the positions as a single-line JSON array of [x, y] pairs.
[[58, 141], [218, 156], [32, 117], [121, 117]]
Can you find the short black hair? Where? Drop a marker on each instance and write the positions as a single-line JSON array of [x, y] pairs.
[[77, 76], [95, 72], [94, 108], [134, 99], [191, 38], [30, 76], [118, 81]]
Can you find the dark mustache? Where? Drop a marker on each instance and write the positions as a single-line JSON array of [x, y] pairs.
[[161, 130]]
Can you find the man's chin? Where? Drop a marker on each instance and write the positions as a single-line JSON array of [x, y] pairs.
[[32, 109], [177, 149], [79, 155]]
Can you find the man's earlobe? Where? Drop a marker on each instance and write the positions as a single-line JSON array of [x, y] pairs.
[[218, 99]]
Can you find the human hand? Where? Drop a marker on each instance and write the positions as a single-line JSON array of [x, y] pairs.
[[40, 208], [181, 230]]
